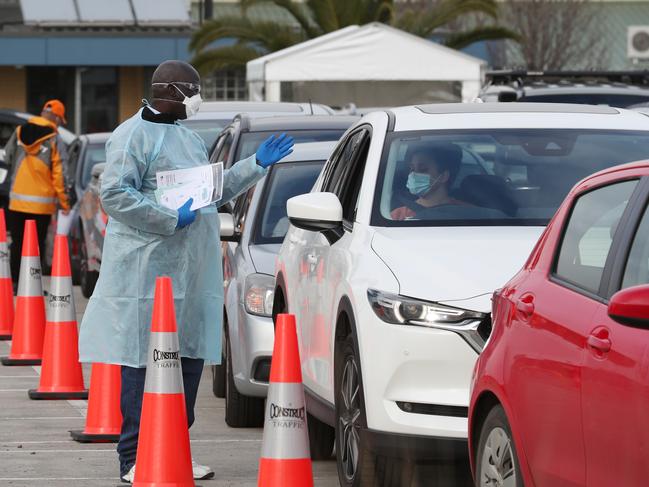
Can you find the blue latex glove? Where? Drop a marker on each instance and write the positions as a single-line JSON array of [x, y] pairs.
[[273, 149], [185, 215]]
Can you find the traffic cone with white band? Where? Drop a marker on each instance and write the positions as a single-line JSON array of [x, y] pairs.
[[104, 418], [163, 453], [29, 319], [6, 286], [285, 458], [61, 376]]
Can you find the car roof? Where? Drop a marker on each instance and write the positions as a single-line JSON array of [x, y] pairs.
[[576, 89], [227, 110], [15, 113], [311, 151], [96, 138], [457, 116], [312, 122], [614, 172]]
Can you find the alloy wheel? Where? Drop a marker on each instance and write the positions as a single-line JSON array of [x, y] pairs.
[[497, 467], [349, 419]]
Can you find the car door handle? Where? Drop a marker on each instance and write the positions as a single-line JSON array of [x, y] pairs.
[[525, 306], [600, 344]]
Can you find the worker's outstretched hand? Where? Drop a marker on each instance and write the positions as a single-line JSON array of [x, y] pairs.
[[273, 149], [185, 215]]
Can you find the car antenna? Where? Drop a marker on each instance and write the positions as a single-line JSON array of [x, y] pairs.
[[311, 106]]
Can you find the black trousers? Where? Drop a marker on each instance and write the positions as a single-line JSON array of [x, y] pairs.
[[16, 226], [131, 405]]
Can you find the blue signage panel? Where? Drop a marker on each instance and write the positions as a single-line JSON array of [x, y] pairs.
[[91, 51]]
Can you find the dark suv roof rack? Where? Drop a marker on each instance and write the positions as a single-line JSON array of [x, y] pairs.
[[526, 78]]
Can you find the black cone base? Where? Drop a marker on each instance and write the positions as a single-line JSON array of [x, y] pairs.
[[81, 437], [20, 361], [35, 394], [4, 338]]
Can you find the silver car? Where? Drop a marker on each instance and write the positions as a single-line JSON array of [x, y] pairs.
[[260, 223]]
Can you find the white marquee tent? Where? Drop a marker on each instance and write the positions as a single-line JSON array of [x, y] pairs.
[[372, 65]]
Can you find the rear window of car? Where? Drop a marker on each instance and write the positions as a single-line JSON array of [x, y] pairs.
[[286, 180], [250, 141], [95, 154], [492, 177], [208, 130]]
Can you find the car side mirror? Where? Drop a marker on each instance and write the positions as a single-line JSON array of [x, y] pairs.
[[630, 306], [226, 228], [317, 212]]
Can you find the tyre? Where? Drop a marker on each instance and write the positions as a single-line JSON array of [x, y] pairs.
[[496, 461], [87, 278], [357, 465], [240, 411], [321, 439], [218, 371], [75, 265]]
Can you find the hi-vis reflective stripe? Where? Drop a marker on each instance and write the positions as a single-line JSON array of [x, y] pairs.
[[29, 282], [60, 301], [163, 372], [285, 430], [32, 199], [5, 269]]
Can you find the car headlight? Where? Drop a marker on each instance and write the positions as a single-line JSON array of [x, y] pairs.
[[401, 310], [259, 293]]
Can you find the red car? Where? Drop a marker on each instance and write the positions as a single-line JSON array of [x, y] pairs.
[[560, 394]]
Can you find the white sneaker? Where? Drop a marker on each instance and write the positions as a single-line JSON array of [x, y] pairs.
[[129, 477], [201, 472]]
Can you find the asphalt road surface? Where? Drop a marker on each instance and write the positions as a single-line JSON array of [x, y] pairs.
[[36, 449]]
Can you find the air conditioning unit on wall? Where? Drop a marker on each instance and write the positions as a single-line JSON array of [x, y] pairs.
[[638, 42]]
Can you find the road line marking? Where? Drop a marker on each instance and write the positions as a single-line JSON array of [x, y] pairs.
[[40, 417], [15, 479], [54, 451]]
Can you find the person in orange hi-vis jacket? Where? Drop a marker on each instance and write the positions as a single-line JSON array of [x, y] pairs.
[[37, 177]]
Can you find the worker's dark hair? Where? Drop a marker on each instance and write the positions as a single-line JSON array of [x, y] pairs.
[[444, 155]]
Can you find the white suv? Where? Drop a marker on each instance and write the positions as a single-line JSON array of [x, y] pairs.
[[390, 263]]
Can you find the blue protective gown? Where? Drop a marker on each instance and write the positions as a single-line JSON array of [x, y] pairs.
[[142, 243]]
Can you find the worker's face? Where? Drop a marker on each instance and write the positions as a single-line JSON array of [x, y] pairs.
[[48, 115]]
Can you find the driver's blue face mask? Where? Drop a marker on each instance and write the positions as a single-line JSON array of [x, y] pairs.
[[419, 183]]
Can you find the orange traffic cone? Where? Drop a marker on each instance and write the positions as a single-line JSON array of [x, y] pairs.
[[61, 376], [6, 287], [163, 453], [104, 418], [29, 319], [285, 458]]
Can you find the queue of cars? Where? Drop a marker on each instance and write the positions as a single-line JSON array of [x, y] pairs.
[[362, 280], [410, 346]]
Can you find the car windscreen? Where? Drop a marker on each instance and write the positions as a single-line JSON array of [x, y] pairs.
[[286, 180], [618, 100], [208, 130], [250, 140], [491, 177], [95, 154]]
